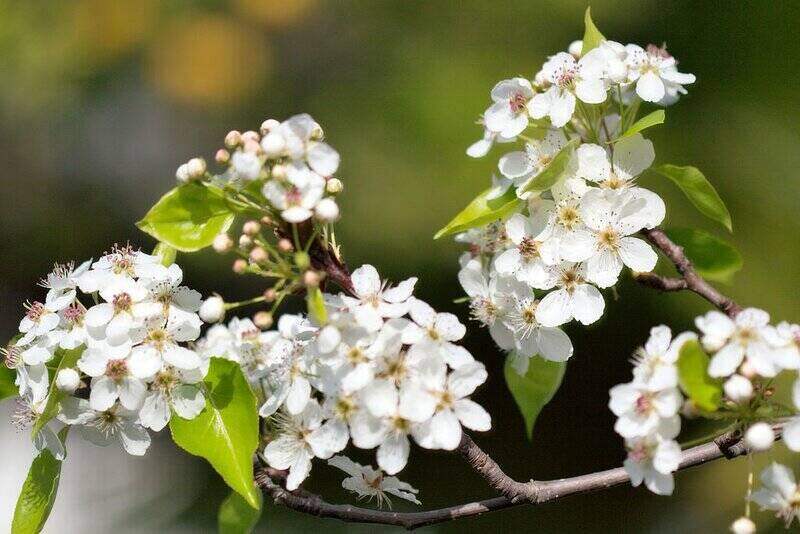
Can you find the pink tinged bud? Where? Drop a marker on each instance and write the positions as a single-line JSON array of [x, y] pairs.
[[263, 319], [222, 156], [245, 242], [197, 167], [249, 136], [312, 278], [212, 310], [252, 147], [233, 139], [284, 245], [239, 266], [222, 243], [258, 255], [251, 228]]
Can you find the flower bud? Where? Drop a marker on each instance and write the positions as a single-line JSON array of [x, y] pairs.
[[284, 245], [759, 437], [251, 228], [250, 135], [251, 147], [273, 144], [258, 255], [239, 266], [266, 220], [222, 243], [263, 319], [245, 241], [270, 295], [212, 310], [327, 210], [233, 139], [196, 167], [182, 174], [747, 371], [302, 260], [68, 380], [738, 388], [222, 156], [334, 186], [279, 172], [311, 278], [269, 125], [743, 525], [575, 48]]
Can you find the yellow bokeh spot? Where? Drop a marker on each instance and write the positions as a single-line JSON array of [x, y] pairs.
[[105, 29], [209, 60], [274, 13]]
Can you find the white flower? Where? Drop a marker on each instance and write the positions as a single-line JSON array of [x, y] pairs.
[[168, 298], [104, 427], [481, 147], [610, 217], [508, 116], [171, 390], [112, 377], [640, 409], [779, 492], [791, 432], [159, 343], [759, 437], [114, 319], [654, 457], [73, 327], [785, 342], [533, 253], [38, 320], [62, 283], [327, 210], [531, 338], [373, 301], [246, 165], [574, 298], [522, 166], [434, 334], [654, 72], [121, 263], [584, 79], [371, 483], [655, 362], [733, 340], [298, 195]]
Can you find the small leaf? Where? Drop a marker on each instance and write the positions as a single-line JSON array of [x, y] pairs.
[[167, 254], [535, 389], [226, 431], [38, 493], [188, 217], [7, 387], [652, 119], [316, 306], [482, 211], [699, 191], [66, 359], [703, 390], [236, 516], [591, 35], [554, 170], [712, 257]]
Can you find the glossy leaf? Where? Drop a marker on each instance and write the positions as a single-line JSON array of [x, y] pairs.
[[65, 359], [188, 217], [591, 35], [554, 170], [699, 191], [316, 306], [536, 388], [652, 119], [236, 516], [703, 390], [226, 431], [482, 211], [712, 257], [38, 493]]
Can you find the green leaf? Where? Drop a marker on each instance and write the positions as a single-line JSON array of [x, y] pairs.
[[38, 493], [188, 217], [167, 254], [554, 170], [534, 390], [236, 516], [712, 257], [591, 35], [482, 211], [66, 359], [226, 431], [699, 191], [316, 306], [652, 119], [703, 390]]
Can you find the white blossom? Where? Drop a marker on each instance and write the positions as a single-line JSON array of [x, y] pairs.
[[779, 493], [370, 483]]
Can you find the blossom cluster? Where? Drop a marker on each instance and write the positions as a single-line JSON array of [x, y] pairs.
[[130, 318], [382, 367]]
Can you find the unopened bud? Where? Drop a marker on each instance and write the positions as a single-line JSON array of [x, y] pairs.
[[284, 245], [738, 388], [239, 266], [222, 243], [759, 437], [251, 147], [279, 172], [270, 295], [182, 174], [302, 260], [575, 48], [212, 310], [245, 242], [258, 255], [311, 278], [233, 139], [222, 156], [251, 228], [269, 125], [334, 186], [273, 144], [266, 220], [196, 167], [263, 319], [250, 135], [68, 380], [327, 210], [743, 525], [316, 133], [747, 371]]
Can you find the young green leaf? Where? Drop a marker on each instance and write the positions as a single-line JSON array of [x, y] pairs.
[[38, 493], [316, 306], [535, 389], [591, 35], [7, 387], [554, 170], [482, 211], [712, 257], [66, 359], [236, 516], [167, 254], [703, 390], [699, 191], [226, 431], [652, 119], [188, 217]]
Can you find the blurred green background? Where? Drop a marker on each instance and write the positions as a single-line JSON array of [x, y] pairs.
[[103, 99]]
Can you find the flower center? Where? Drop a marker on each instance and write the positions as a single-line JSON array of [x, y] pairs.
[[568, 217], [609, 239], [355, 356], [483, 310], [345, 407], [74, 315], [400, 425], [614, 182], [446, 400], [116, 370], [165, 380], [529, 248], [158, 337], [644, 404], [35, 311], [294, 196], [570, 279], [122, 303], [517, 102]]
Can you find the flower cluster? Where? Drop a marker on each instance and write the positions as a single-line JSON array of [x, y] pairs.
[[129, 319], [381, 367]]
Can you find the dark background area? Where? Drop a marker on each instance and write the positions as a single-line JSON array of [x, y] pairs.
[[102, 100]]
